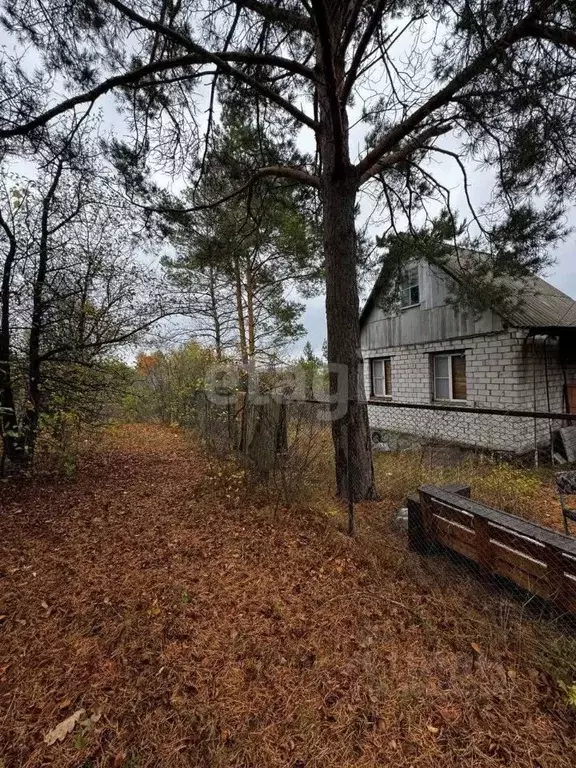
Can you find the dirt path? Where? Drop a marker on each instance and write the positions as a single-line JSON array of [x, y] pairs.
[[204, 633]]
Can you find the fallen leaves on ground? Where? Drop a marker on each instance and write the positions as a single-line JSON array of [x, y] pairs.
[[205, 632], [62, 730]]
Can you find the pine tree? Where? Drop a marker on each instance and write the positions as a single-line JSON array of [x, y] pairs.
[[498, 77]]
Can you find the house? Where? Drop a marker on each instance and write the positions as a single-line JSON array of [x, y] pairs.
[[428, 350]]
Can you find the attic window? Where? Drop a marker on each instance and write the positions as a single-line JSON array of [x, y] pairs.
[[410, 288]]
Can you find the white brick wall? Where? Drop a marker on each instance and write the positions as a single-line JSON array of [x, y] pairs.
[[499, 374]]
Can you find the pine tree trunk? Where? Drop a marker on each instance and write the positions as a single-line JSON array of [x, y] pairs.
[[215, 314], [32, 413], [33, 406], [250, 314], [11, 444], [338, 189], [240, 313], [351, 432], [244, 374]]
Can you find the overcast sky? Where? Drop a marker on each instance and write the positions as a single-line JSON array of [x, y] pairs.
[[445, 170], [562, 274]]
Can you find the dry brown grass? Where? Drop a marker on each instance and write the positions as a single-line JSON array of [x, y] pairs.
[[525, 492], [208, 631]]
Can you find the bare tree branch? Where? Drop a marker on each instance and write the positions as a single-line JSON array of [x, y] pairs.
[[125, 79], [458, 160], [442, 97], [418, 142], [350, 26], [277, 14], [222, 63], [132, 78], [559, 35], [369, 30], [279, 171]]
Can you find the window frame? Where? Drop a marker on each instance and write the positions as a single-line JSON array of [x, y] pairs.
[[387, 394], [449, 356], [408, 286]]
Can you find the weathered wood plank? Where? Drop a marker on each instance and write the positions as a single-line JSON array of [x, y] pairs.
[[569, 596], [460, 532], [452, 542], [515, 541], [462, 489], [433, 320], [483, 544], [568, 566], [535, 558], [555, 573], [418, 538], [427, 521], [452, 513], [511, 522], [535, 568], [525, 580]]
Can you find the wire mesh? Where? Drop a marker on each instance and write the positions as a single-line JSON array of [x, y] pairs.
[[473, 494], [467, 499]]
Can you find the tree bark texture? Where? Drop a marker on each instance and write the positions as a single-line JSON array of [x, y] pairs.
[[12, 445], [33, 406], [338, 189], [342, 311], [215, 315]]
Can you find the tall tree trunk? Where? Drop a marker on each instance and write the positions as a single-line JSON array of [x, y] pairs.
[[12, 445], [350, 433], [240, 313], [242, 401], [250, 313], [215, 314], [339, 185], [32, 414]]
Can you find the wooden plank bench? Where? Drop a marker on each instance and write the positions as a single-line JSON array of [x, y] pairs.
[[538, 559]]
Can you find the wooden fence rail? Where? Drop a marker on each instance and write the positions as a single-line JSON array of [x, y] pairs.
[[536, 558]]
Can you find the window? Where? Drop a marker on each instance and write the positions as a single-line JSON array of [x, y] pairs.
[[410, 288], [381, 377], [450, 376]]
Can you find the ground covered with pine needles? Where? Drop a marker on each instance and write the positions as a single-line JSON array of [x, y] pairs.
[[196, 625]]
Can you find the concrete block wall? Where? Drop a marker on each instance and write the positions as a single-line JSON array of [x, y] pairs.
[[485, 431], [499, 374], [543, 382]]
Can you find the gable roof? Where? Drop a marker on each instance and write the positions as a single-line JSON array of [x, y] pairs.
[[541, 306]]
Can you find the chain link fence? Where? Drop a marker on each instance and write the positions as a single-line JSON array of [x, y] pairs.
[[285, 443], [478, 503], [468, 500], [518, 435]]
